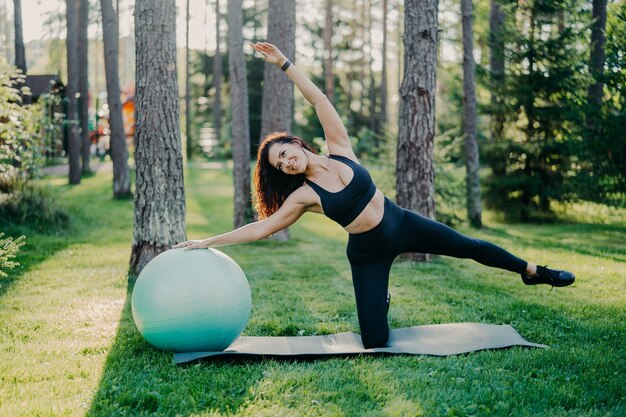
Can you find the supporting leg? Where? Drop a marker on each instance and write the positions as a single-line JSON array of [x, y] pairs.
[[371, 282]]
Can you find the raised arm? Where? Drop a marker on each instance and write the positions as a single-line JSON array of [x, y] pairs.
[[336, 135], [291, 210]]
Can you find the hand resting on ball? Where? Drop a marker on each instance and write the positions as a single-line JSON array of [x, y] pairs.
[[193, 244]]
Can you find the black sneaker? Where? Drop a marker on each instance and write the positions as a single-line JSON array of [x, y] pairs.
[[554, 277]]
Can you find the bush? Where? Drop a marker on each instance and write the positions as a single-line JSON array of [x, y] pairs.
[[34, 207], [23, 129], [8, 249]]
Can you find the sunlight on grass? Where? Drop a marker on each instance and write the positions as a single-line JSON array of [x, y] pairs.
[[68, 345]]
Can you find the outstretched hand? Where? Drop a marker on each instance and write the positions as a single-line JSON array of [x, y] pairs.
[[270, 52], [193, 244]]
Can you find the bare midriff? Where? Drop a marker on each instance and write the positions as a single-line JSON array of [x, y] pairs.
[[369, 218]]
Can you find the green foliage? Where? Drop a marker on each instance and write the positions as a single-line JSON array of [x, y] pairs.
[[8, 250], [545, 86], [52, 123], [20, 129], [34, 207], [601, 165], [23, 132]]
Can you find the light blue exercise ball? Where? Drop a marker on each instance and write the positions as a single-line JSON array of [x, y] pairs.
[[191, 300]]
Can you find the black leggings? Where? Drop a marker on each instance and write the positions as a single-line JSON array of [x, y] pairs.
[[371, 254]]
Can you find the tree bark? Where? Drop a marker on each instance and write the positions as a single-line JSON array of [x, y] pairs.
[[496, 64], [117, 136], [415, 173], [383, 81], [277, 107], [239, 105], [217, 73], [597, 56], [83, 82], [160, 193], [20, 52], [328, 52], [472, 164], [373, 115], [187, 88], [73, 69]]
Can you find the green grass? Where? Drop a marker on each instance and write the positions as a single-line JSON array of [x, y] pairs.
[[68, 345]]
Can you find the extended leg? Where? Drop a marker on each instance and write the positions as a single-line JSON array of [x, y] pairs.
[[370, 282], [421, 234]]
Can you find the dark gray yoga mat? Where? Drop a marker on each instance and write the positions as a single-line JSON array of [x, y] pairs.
[[434, 339]]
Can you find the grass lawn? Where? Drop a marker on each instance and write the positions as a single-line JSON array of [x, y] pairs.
[[68, 345]]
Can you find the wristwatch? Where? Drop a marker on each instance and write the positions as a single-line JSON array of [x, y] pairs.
[[286, 64]]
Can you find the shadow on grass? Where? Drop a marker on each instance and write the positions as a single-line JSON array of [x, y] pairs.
[[139, 379], [38, 249], [96, 217]]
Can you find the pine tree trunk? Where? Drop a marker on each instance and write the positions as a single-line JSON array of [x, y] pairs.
[[73, 69], [119, 151], [239, 112], [20, 52], [415, 172], [328, 52], [277, 107], [187, 88], [217, 72], [373, 115], [83, 83], [472, 164], [160, 193], [596, 59], [364, 62], [383, 81], [496, 64]]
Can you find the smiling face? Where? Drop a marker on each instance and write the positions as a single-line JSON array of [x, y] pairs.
[[288, 158]]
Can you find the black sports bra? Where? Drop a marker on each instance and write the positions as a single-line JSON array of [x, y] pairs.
[[345, 205]]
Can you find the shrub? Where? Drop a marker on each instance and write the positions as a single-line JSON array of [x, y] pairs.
[[34, 207], [8, 249], [23, 130]]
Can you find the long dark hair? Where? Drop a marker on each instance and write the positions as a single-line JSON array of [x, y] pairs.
[[272, 187]]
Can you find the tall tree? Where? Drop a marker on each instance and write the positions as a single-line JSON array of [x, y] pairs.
[[496, 66], [239, 112], [472, 164], [596, 59], [383, 81], [373, 116], [187, 87], [545, 80], [415, 171], [277, 108], [160, 192], [83, 81], [217, 72], [73, 69], [20, 52], [328, 51], [119, 151]]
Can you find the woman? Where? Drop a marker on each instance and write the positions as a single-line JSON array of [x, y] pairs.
[[291, 179]]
